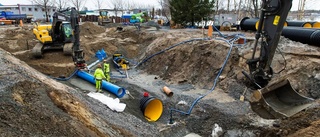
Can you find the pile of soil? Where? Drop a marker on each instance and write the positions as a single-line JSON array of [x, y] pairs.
[[88, 28]]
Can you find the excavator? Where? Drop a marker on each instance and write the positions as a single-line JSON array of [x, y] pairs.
[[64, 33], [271, 98]]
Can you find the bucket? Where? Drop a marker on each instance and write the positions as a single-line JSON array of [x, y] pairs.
[[151, 108]]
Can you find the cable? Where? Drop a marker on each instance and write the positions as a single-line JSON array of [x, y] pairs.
[[65, 79]]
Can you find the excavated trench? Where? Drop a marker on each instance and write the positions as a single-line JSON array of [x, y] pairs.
[[188, 70]]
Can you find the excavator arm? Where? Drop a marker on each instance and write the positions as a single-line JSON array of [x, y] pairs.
[[73, 18], [275, 99], [272, 19]]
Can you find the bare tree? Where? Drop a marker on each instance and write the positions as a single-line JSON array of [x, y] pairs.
[[117, 6], [78, 4], [165, 8], [60, 4], [45, 5], [99, 3], [255, 4], [129, 5]]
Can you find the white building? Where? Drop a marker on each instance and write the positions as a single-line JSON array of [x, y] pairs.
[[35, 11]]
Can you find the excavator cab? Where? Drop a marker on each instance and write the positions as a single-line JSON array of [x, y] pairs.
[[272, 98]]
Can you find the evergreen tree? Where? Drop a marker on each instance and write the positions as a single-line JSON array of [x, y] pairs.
[[190, 11]]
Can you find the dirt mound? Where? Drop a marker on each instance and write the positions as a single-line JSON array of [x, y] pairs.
[[196, 62], [17, 39], [88, 28]]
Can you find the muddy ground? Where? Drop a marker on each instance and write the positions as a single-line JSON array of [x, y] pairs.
[[189, 70]]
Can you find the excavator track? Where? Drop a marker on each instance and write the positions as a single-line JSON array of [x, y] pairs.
[[68, 49], [37, 50]]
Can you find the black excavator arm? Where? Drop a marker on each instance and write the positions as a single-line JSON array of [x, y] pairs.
[[275, 99], [73, 18], [272, 19]]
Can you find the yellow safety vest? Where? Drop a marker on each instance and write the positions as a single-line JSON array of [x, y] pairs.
[[98, 74], [106, 67]]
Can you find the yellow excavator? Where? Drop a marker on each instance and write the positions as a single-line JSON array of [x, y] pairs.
[[272, 99], [57, 36], [103, 18]]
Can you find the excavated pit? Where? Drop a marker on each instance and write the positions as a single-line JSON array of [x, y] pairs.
[[188, 70]]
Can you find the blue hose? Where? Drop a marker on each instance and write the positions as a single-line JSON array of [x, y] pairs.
[[162, 51], [215, 81], [65, 79]]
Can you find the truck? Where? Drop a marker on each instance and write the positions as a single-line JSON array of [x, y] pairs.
[[9, 15]]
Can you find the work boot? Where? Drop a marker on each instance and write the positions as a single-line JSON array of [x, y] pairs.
[[100, 91]]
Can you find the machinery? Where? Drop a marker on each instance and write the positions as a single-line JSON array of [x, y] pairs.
[[275, 99], [103, 18], [120, 62], [64, 33]]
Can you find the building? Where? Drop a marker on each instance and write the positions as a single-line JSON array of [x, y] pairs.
[[34, 11]]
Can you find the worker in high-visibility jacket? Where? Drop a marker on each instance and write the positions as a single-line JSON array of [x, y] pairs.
[[106, 70], [98, 76]]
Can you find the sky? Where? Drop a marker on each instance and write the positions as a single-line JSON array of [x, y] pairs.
[[90, 4]]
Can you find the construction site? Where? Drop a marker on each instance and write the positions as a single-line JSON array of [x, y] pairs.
[[176, 82]]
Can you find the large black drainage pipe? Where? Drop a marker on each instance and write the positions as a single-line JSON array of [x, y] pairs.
[[251, 24], [299, 24], [315, 24], [248, 24], [304, 35]]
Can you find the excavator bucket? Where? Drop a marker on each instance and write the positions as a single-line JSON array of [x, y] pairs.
[[279, 100]]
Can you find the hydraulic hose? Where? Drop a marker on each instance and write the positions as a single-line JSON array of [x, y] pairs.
[[65, 79], [230, 42]]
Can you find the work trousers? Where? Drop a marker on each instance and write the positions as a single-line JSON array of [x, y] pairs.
[[98, 84]]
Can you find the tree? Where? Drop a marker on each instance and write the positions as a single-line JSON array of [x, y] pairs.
[[45, 5], [78, 4], [117, 6], [60, 4], [190, 11], [99, 3], [165, 8]]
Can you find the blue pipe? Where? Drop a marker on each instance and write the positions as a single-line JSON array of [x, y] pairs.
[[116, 90]]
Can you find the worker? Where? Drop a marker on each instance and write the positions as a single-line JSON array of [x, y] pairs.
[[98, 76], [106, 70]]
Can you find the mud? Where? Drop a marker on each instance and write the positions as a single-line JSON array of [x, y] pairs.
[[188, 70]]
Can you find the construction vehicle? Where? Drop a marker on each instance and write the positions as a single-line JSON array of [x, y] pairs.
[[57, 36], [103, 18], [272, 99], [64, 33], [120, 62]]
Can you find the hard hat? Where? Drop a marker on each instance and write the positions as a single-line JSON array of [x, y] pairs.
[[99, 66]]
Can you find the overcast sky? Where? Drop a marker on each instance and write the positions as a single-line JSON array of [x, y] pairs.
[[310, 4]]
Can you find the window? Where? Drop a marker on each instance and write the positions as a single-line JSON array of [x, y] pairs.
[[30, 9], [17, 8], [23, 8], [42, 9], [35, 9]]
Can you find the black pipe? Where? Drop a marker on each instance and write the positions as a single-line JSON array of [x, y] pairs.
[[298, 23], [304, 35], [248, 24]]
